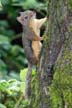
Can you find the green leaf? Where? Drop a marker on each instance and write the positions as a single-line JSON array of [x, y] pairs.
[[4, 85], [3, 39], [23, 87], [15, 50], [6, 2], [4, 24], [23, 74], [2, 106], [34, 72], [6, 46], [2, 64]]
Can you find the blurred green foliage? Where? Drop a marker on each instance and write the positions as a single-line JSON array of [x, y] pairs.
[[12, 92], [11, 95]]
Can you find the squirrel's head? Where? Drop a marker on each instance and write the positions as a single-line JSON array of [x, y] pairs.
[[26, 16]]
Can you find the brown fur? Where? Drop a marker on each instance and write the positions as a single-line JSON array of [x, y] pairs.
[[36, 45], [31, 34]]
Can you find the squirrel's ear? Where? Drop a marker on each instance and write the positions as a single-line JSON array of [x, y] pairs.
[[21, 13]]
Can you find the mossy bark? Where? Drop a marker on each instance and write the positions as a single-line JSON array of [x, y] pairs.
[[55, 54]]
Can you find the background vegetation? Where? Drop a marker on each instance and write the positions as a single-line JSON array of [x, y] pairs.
[[12, 57]]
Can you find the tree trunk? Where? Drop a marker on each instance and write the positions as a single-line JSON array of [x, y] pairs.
[[57, 43]]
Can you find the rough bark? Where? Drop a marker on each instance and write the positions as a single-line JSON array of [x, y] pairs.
[[57, 43]]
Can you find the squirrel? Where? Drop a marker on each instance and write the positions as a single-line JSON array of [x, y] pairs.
[[31, 38], [31, 34]]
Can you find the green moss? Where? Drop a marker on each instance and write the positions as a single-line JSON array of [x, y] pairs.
[[61, 88]]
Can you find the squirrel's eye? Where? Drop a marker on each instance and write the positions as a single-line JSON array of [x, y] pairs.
[[26, 17]]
